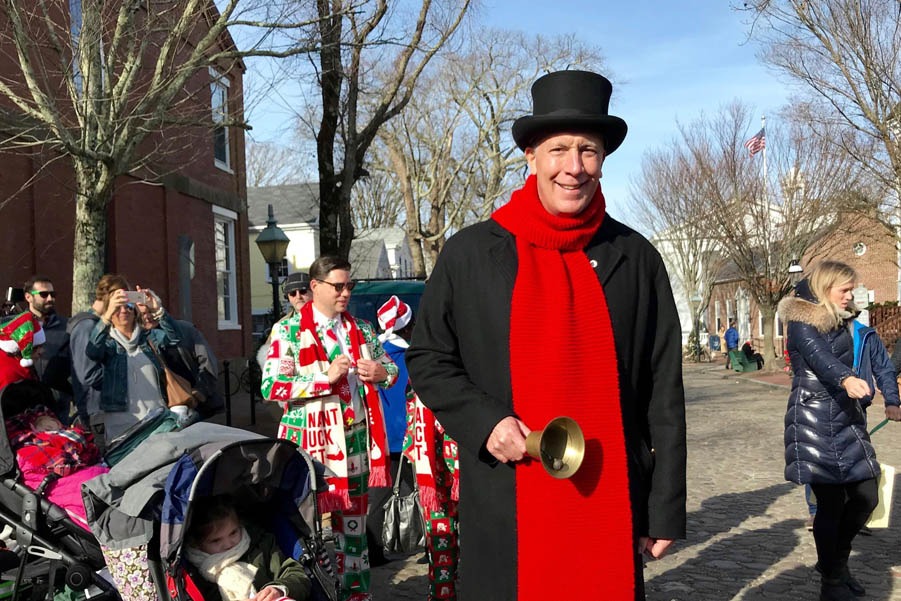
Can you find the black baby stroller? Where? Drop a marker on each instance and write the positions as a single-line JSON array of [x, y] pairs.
[[154, 488], [53, 549]]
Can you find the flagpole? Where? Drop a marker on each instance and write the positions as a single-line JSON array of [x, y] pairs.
[[763, 129]]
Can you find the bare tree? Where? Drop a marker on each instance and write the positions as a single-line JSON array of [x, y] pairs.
[[766, 218], [450, 153], [376, 203], [97, 85], [845, 55], [270, 164], [667, 199], [365, 70]]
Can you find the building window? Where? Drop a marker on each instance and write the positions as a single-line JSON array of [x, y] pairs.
[[859, 248], [779, 331], [226, 280], [760, 323], [219, 104], [717, 315], [282, 271]]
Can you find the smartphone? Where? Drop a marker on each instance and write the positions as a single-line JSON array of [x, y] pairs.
[[138, 298]]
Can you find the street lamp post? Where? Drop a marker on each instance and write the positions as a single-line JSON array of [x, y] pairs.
[[273, 244], [696, 309]]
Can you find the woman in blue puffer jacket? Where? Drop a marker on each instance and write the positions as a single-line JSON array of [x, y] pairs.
[[826, 441]]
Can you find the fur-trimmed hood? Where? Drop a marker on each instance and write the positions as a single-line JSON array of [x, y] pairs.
[[794, 308]]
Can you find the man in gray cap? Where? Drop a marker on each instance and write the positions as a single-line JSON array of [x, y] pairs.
[[297, 290]]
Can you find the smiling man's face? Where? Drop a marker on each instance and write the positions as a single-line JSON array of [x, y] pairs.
[[567, 168]]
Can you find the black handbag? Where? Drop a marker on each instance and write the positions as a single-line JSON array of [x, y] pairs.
[[404, 528]]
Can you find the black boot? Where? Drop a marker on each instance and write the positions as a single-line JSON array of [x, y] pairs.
[[833, 589], [852, 583], [844, 574]]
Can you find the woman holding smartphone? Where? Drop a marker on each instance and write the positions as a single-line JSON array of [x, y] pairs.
[[132, 376]]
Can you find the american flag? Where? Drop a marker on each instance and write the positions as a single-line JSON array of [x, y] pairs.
[[757, 142]]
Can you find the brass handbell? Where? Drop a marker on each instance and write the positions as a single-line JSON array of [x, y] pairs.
[[560, 446]]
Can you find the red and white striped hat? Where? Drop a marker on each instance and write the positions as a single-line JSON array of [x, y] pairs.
[[395, 314], [21, 335]]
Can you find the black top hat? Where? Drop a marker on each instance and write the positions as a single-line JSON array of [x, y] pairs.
[[296, 281], [570, 101]]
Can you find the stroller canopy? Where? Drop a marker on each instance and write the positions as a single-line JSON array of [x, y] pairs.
[[256, 471], [123, 504]]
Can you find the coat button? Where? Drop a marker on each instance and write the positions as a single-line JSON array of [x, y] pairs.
[[593, 263]]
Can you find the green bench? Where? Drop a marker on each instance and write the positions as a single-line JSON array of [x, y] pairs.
[[741, 363]]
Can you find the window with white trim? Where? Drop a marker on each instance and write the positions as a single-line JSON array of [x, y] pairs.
[[219, 104], [226, 280]]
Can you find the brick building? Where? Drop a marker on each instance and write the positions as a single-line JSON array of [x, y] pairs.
[[863, 243], [177, 226]]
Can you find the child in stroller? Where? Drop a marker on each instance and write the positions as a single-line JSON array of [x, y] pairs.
[[244, 562], [143, 509]]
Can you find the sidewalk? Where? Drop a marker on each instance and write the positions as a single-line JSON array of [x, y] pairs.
[[778, 378]]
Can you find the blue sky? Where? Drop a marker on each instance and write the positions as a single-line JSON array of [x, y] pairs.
[[669, 62]]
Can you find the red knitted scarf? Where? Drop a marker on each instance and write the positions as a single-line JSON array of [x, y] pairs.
[[563, 362]]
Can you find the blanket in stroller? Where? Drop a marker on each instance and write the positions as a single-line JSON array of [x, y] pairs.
[[45, 448]]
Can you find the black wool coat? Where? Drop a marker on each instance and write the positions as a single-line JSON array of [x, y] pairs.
[[459, 363]]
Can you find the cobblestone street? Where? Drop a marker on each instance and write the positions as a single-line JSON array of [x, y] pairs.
[[746, 535]]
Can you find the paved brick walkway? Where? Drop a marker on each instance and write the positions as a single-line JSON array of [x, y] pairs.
[[746, 535]]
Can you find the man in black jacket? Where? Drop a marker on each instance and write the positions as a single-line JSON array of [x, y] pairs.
[[52, 364], [554, 308]]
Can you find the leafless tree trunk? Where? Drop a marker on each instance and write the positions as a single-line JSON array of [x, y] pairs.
[[98, 87], [357, 99]]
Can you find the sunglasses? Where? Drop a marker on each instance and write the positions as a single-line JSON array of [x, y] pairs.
[[297, 291], [43, 293], [340, 286]]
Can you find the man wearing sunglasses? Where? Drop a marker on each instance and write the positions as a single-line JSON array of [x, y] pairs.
[[52, 366], [325, 367], [297, 290], [298, 293]]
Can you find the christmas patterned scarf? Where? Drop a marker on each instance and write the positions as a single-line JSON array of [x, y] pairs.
[[425, 443], [560, 327], [313, 352]]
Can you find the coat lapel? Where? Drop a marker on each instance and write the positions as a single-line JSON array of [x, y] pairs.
[[604, 256], [503, 252]]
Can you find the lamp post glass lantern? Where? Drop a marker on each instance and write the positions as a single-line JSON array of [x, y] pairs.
[[273, 245], [794, 272]]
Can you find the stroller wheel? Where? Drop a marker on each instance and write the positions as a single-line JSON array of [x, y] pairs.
[[78, 577]]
